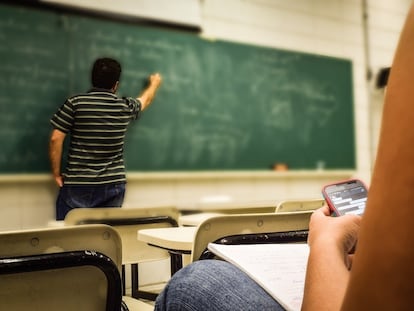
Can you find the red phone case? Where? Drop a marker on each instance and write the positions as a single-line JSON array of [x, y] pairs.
[[328, 199]]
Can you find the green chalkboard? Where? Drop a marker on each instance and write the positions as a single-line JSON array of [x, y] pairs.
[[222, 105]]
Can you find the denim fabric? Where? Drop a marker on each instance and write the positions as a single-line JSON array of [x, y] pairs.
[[70, 197], [213, 285]]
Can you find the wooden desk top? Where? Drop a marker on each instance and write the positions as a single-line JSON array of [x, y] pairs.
[[176, 238]]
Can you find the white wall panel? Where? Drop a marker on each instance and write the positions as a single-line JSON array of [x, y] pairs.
[[185, 12]]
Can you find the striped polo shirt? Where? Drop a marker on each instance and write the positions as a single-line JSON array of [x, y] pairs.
[[97, 122]]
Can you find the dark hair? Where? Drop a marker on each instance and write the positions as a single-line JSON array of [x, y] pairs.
[[105, 73]]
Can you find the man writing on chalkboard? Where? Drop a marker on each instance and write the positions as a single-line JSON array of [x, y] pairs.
[[97, 122]]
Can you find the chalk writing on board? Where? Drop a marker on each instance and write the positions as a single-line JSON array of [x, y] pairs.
[[222, 106]]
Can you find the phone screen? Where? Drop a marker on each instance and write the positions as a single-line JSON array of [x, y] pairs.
[[347, 197]]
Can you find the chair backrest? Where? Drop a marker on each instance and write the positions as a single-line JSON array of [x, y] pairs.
[[67, 268], [299, 205], [233, 207], [242, 226], [127, 222]]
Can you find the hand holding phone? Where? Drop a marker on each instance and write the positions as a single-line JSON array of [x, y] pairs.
[[346, 197]]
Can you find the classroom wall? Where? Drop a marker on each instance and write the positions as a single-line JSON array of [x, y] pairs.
[[328, 27], [385, 22]]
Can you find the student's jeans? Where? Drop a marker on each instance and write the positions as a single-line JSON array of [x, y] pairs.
[[73, 196], [213, 285]]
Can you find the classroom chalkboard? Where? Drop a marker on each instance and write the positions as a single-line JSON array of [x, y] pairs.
[[222, 106]]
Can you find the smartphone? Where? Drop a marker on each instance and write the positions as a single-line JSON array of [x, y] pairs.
[[346, 197]]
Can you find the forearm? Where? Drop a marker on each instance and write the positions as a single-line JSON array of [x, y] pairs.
[[382, 273], [55, 154], [326, 278], [147, 96]]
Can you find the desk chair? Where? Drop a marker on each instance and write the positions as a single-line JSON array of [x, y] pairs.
[[127, 221], [68, 268], [231, 208], [250, 229], [194, 218], [299, 205]]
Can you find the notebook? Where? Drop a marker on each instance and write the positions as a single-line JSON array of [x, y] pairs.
[[278, 268]]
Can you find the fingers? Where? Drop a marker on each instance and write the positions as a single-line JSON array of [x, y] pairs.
[[59, 181], [343, 229], [321, 212], [155, 78], [326, 210], [356, 219]]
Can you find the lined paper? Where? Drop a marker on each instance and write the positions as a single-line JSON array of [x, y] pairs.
[[279, 268]]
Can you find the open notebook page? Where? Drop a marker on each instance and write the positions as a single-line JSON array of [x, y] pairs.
[[279, 268]]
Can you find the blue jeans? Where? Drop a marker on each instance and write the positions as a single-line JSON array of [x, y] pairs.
[[71, 196], [213, 285]]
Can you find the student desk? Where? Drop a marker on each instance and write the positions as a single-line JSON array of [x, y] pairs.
[[177, 241]]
